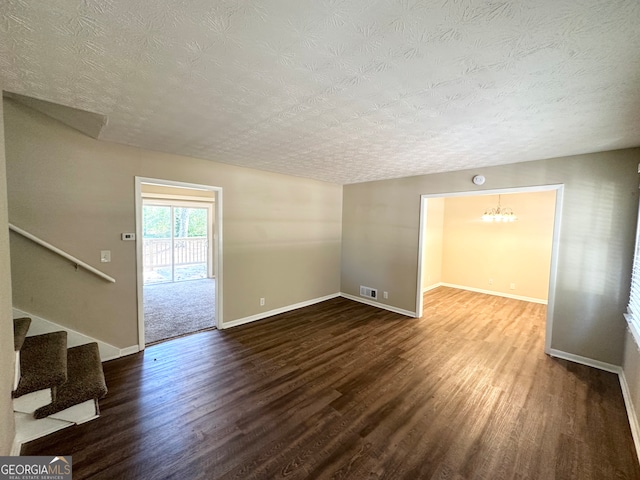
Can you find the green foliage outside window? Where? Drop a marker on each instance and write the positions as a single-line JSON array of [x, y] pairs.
[[188, 222]]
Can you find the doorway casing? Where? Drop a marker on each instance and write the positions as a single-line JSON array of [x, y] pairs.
[[554, 248], [217, 247]]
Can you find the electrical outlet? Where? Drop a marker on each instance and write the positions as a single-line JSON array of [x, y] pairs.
[[385, 295], [262, 302], [491, 281], [512, 286], [105, 256]]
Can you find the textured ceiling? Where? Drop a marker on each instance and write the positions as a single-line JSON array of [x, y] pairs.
[[338, 90]]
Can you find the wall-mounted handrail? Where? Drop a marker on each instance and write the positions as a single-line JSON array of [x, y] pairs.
[[62, 253]]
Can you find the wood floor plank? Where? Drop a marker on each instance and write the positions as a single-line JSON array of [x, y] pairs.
[[344, 390]]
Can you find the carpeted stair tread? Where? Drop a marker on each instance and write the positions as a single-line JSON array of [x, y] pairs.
[[20, 329], [85, 380], [43, 362]]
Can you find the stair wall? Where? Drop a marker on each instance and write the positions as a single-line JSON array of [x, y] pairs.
[[7, 356], [39, 326]]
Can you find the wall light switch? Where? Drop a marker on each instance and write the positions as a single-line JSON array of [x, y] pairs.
[[105, 256]]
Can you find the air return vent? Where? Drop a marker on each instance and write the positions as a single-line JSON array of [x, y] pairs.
[[368, 292]]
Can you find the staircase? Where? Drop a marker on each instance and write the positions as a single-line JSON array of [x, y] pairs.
[[55, 386]]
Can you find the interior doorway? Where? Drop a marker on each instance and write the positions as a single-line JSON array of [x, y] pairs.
[[499, 267], [179, 252]]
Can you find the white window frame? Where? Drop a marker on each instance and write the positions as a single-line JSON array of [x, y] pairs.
[[633, 307]]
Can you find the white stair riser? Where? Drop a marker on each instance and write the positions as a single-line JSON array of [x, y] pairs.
[[80, 413], [30, 402], [28, 428]]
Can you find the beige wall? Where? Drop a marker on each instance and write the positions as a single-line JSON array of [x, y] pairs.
[[7, 427], [432, 238], [281, 234], [380, 240], [519, 253], [631, 368]]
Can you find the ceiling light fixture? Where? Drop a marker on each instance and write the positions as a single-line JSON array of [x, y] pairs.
[[499, 214]]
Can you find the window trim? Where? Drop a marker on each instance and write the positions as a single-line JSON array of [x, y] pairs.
[[632, 315]]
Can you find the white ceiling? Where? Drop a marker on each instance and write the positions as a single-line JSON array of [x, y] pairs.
[[338, 90]]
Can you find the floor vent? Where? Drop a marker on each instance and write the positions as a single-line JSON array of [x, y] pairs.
[[368, 292]]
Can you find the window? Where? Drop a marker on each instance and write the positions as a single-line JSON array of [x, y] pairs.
[[633, 309], [176, 244]]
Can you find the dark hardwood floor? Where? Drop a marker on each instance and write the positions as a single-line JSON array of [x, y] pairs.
[[344, 390]]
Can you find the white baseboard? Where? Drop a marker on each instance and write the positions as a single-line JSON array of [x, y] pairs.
[[497, 294], [16, 447], [277, 311], [39, 326], [431, 287], [373, 303], [128, 351], [589, 362], [631, 412]]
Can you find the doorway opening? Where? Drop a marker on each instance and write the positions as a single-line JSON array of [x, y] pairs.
[[515, 260], [179, 252]]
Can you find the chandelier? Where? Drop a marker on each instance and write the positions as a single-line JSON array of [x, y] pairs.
[[499, 214]]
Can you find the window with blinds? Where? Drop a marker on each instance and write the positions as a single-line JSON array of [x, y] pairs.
[[633, 309]]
